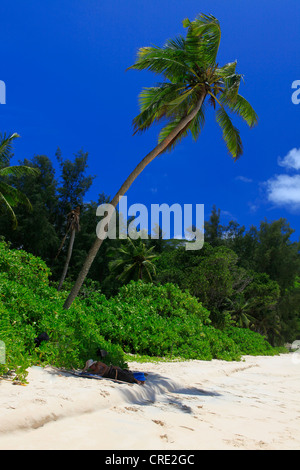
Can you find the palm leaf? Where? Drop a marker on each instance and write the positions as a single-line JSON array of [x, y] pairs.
[[242, 108], [231, 134], [205, 28], [19, 171], [197, 123], [149, 266], [165, 132], [154, 102], [166, 61], [13, 196], [6, 146], [194, 126], [8, 206]]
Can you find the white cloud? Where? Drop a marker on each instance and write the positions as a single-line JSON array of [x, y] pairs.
[[284, 190], [244, 179], [291, 160]]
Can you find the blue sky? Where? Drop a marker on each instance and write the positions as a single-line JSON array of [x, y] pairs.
[[64, 62]]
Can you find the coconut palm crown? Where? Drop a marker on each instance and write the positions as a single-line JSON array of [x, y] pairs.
[[192, 75], [133, 260]]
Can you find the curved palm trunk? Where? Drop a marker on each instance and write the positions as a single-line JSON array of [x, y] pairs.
[[61, 245], [69, 254], [124, 188]]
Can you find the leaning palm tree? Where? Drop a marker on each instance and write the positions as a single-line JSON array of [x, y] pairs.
[[133, 261], [191, 77], [73, 226], [9, 195]]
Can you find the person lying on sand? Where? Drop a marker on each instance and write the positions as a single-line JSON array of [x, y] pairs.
[[110, 372]]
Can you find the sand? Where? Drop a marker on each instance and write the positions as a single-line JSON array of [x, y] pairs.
[[193, 405]]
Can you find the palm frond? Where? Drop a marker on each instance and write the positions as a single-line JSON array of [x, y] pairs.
[[149, 267], [8, 206], [164, 101], [167, 61], [165, 132], [153, 104], [6, 146], [194, 126], [177, 43], [19, 171], [13, 196], [231, 134], [242, 108], [205, 28], [197, 123]]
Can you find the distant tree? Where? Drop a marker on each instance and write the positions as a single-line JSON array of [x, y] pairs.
[[75, 182], [276, 254], [38, 230], [213, 228]]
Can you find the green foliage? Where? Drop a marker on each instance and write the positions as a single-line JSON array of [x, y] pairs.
[[154, 320], [23, 267], [143, 318], [221, 345], [162, 320], [29, 306], [244, 278], [53, 193], [249, 342], [132, 261]]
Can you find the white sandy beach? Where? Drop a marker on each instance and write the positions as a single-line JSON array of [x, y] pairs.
[[252, 404]]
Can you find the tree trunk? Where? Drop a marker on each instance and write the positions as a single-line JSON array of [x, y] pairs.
[[124, 188], [69, 254]]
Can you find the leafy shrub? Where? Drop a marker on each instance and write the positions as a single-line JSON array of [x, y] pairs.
[[249, 342], [14, 356], [163, 321], [167, 300], [29, 306], [221, 345], [23, 267]]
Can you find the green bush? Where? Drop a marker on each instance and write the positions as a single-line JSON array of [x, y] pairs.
[[155, 321], [221, 345], [23, 267], [249, 342], [29, 306]]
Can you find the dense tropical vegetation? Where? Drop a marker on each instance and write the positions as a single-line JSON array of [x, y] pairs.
[[238, 295]]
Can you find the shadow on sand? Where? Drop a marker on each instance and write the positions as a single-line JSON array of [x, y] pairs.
[[155, 387]]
